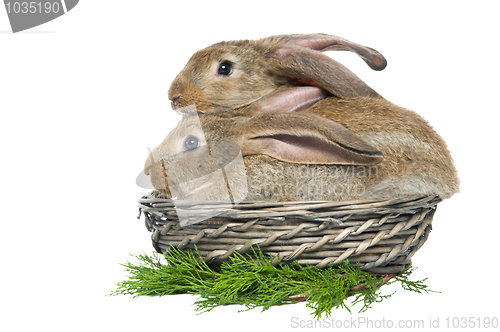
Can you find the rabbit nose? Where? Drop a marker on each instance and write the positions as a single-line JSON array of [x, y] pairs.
[[175, 100]]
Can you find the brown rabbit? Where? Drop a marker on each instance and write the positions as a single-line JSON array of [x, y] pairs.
[[339, 149], [235, 74]]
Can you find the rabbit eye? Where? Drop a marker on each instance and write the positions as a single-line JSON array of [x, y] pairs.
[[225, 68], [191, 143]]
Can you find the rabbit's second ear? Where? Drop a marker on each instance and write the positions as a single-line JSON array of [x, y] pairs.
[[289, 99], [323, 42], [311, 67], [306, 139]]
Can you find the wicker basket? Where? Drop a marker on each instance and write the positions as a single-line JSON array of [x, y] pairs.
[[381, 236]]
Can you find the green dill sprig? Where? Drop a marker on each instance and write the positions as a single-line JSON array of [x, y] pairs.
[[253, 281]]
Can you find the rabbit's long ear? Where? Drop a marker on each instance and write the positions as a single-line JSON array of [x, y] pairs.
[[306, 66], [306, 139], [322, 42], [289, 99]]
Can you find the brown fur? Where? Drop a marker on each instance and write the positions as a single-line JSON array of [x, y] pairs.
[[197, 84], [262, 66], [371, 116], [416, 160]]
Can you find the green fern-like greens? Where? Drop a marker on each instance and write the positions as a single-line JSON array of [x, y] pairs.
[[255, 282]]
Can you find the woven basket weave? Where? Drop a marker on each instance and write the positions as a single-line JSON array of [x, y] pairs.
[[381, 236]]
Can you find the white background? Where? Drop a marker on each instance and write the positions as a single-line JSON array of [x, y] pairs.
[[83, 96]]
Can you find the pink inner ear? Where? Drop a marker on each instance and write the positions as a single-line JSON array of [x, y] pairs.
[[292, 99], [316, 43], [307, 150], [321, 43]]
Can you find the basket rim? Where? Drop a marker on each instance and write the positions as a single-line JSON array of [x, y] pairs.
[[308, 210]]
